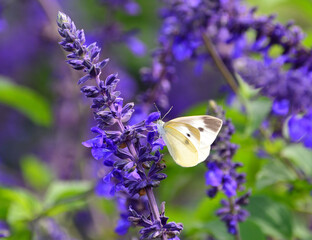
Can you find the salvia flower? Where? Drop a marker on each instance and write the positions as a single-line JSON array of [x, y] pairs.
[[222, 176], [130, 152]]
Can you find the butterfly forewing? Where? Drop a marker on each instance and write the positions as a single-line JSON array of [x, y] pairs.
[[190, 132], [180, 148], [208, 126]]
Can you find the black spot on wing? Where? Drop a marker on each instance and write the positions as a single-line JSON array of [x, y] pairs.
[[201, 129], [189, 135], [212, 123], [187, 141]]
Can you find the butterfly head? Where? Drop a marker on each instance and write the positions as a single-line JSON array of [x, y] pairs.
[[160, 126]]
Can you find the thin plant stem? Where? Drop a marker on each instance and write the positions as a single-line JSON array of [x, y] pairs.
[[220, 64]]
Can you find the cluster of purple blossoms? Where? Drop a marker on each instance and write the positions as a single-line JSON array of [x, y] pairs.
[[131, 152], [151, 230], [222, 176], [286, 78]]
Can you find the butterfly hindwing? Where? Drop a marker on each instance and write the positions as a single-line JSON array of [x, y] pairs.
[[180, 148]]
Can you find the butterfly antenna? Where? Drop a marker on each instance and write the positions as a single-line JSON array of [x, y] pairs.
[[157, 108], [167, 113]]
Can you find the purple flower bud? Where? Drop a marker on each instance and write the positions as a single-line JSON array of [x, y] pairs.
[[154, 116], [84, 79], [109, 80], [213, 175], [90, 91], [229, 186], [103, 63]]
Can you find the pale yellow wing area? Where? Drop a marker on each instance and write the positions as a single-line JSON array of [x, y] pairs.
[[180, 148], [208, 128]]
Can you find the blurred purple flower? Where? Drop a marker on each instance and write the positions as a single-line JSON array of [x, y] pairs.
[[290, 89], [113, 33], [213, 175], [281, 107], [4, 230], [131, 152], [135, 45], [300, 129], [14, 56], [129, 6]]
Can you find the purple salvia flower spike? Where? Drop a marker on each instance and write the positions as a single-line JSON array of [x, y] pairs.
[[222, 175], [134, 172]]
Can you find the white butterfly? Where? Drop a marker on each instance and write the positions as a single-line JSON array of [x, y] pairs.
[[189, 138]]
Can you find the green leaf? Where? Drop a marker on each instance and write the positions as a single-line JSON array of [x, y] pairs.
[[273, 218], [206, 210], [257, 111], [66, 196], [246, 91], [20, 231], [257, 108], [301, 229], [35, 172], [64, 207], [250, 230], [247, 154], [300, 156], [274, 172], [26, 101], [237, 117], [218, 229], [274, 147], [23, 205]]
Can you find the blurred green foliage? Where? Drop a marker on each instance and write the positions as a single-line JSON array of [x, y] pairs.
[[25, 100]]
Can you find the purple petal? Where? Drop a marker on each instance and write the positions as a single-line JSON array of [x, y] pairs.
[[281, 107]]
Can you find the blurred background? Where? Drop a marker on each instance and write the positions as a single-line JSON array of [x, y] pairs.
[[44, 118]]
